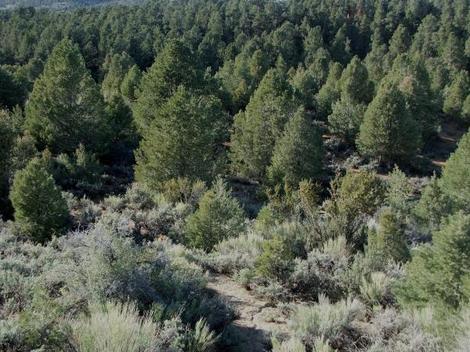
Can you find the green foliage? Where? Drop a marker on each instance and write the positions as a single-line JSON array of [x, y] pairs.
[[455, 95], [356, 195], [355, 84], [434, 205], [218, 217], [388, 131], [388, 241], [275, 262], [65, 107], [298, 153], [117, 67], [175, 66], [346, 118], [185, 140], [256, 130], [40, 209], [130, 84], [437, 272], [330, 91], [399, 193], [456, 175], [326, 321], [414, 82]]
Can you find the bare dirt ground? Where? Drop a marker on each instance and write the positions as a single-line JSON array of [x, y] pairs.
[[256, 319]]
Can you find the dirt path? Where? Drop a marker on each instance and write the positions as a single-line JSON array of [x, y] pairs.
[[256, 319]]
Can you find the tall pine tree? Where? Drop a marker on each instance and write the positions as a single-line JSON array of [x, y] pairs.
[[66, 107]]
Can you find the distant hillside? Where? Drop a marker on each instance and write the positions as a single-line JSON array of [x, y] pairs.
[[59, 4]]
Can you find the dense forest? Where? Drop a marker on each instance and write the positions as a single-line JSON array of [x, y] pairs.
[[235, 175]]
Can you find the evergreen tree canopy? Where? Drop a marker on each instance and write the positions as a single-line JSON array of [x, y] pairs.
[[257, 129], [388, 131], [173, 67], [456, 175], [218, 217], [65, 107], [298, 153], [438, 272], [40, 209], [184, 140], [355, 84], [388, 241]]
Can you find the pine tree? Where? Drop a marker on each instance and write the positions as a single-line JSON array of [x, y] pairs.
[[388, 241], [184, 140], [298, 154], [437, 272], [130, 84], [218, 217], [256, 130], [346, 118], [456, 174], [455, 95], [388, 131], [330, 91], [65, 107], [355, 84], [174, 66], [400, 41], [414, 82], [7, 139], [116, 67], [40, 209]]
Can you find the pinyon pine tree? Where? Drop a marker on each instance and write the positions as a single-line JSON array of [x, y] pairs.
[[257, 129], [298, 154], [388, 131], [219, 217], [66, 107], [40, 209], [184, 140]]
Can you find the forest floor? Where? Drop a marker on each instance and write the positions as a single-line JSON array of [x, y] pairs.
[[256, 319]]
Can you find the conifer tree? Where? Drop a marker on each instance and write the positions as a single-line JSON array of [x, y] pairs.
[[116, 66], [388, 131], [130, 84], [414, 82], [355, 84], [6, 145], [400, 41], [257, 129], [174, 66], [330, 91], [456, 175], [298, 154], [218, 217], [40, 209], [65, 107], [437, 273], [184, 140], [455, 95], [388, 241], [346, 118]]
